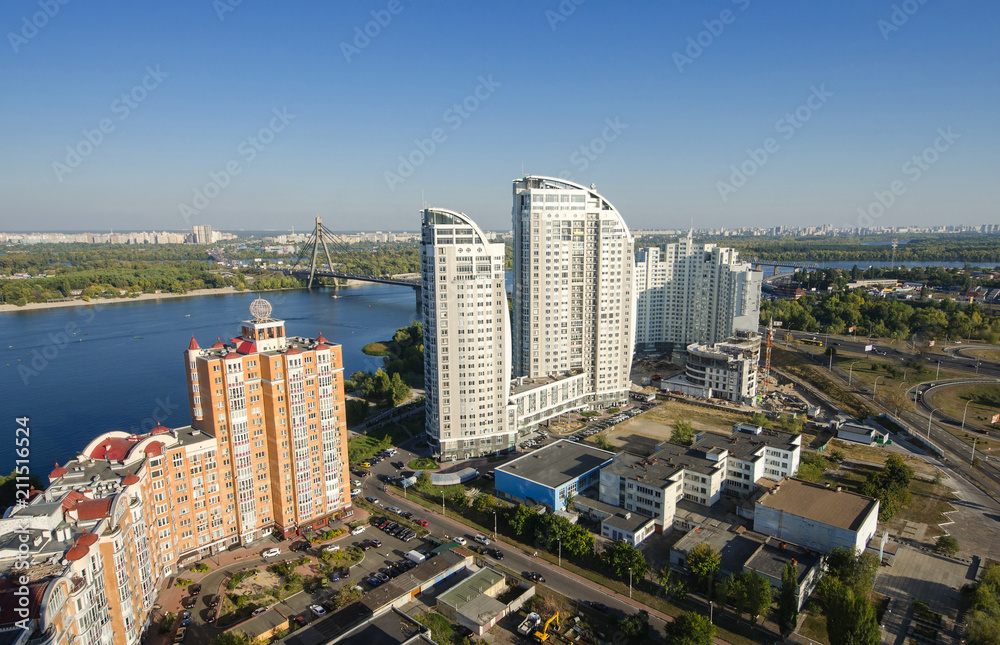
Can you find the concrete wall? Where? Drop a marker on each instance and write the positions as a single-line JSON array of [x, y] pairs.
[[811, 533]]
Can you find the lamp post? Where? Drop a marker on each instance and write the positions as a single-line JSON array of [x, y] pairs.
[[972, 459], [905, 370], [559, 540], [442, 503], [963, 418], [875, 389], [850, 373], [494, 525], [630, 583], [938, 375], [930, 418]]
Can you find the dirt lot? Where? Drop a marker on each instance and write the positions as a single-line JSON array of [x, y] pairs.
[[641, 434]]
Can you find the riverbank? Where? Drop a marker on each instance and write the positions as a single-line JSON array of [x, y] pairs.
[[79, 302]]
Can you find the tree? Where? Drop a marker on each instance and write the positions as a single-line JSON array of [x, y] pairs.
[[788, 602], [423, 483], [947, 544], [399, 391], [853, 570], [9, 488], [635, 628], [603, 442], [689, 629], [622, 556], [760, 419], [758, 594], [232, 638], [484, 503], [850, 619], [345, 596], [683, 433], [703, 561], [983, 626], [521, 519]]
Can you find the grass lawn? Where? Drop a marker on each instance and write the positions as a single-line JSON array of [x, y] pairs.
[[819, 378], [929, 505], [814, 627], [985, 354], [423, 463], [702, 419], [442, 631], [983, 401], [878, 455], [376, 349]]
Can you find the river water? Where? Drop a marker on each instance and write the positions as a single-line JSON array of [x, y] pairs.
[[76, 372]]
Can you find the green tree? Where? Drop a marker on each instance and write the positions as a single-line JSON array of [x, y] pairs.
[[521, 520], [603, 442], [703, 561], [760, 419], [758, 594], [689, 629], [345, 596], [400, 391], [947, 544], [635, 628], [683, 433], [983, 625], [484, 503], [232, 638], [788, 604], [850, 619], [619, 557], [423, 483], [9, 488], [853, 570]]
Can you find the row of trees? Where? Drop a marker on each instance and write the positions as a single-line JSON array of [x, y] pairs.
[[837, 313], [924, 248], [890, 486]]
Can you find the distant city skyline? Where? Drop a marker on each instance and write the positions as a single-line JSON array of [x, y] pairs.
[[727, 113]]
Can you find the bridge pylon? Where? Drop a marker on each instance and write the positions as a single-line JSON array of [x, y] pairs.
[[319, 236]]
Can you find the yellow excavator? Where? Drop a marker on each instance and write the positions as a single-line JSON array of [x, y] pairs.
[[542, 636]]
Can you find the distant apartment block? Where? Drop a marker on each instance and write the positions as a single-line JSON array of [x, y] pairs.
[[467, 342], [689, 292], [574, 295]]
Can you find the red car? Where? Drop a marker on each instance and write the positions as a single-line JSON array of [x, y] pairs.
[[421, 522]]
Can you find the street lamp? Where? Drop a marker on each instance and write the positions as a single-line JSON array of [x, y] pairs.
[[630, 583], [494, 525], [850, 373], [938, 375], [930, 418], [442, 503], [972, 459], [963, 418], [559, 540], [875, 389]]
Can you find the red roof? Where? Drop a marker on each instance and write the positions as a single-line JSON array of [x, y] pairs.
[[77, 553], [87, 539], [193, 344], [232, 356], [160, 429], [320, 339], [93, 509], [247, 347], [114, 448], [130, 479], [292, 352], [154, 449], [36, 590], [58, 472], [71, 499], [218, 344], [321, 347]]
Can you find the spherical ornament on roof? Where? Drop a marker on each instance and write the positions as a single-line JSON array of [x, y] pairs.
[[260, 309]]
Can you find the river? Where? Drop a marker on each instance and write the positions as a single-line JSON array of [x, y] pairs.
[[76, 372]]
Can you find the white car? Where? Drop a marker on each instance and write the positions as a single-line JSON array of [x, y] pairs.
[[461, 540], [355, 492], [270, 553], [482, 539], [356, 483], [331, 548], [359, 530], [317, 610]]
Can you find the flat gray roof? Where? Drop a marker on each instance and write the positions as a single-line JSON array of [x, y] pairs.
[[630, 521], [557, 463], [842, 509]]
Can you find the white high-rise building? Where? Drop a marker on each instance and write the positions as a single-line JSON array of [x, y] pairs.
[[467, 341], [690, 292], [574, 296]]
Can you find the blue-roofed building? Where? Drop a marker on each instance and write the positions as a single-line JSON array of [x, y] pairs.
[[552, 474]]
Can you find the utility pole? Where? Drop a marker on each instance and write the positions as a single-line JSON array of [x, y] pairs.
[[930, 418], [972, 459], [964, 412], [938, 375]]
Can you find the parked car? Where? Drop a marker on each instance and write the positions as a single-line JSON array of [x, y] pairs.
[[421, 522], [212, 600], [358, 530], [270, 553], [194, 589], [393, 509], [355, 492], [482, 539], [461, 540], [189, 602], [373, 581], [301, 545], [185, 617], [599, 607], [496, 553], [259, 611], [331, 548], [381, 576], [534, 576], [181, 633], [317, 610], [375, 543]]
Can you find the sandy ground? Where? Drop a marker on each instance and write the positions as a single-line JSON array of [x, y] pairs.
[[32, 306]]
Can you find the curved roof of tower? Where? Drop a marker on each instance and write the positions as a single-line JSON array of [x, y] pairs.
[[565, 184], [465, 219]]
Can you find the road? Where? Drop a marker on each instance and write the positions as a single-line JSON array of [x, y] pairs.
[[514, 559]]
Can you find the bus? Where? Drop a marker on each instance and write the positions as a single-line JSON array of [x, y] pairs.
[[811, 341]]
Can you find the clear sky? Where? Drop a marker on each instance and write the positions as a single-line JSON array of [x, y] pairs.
[[818, 107]]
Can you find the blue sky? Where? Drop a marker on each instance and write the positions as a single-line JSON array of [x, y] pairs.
[[870, 94]]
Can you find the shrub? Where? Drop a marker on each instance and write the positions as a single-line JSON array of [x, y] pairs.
[[167, 622]]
